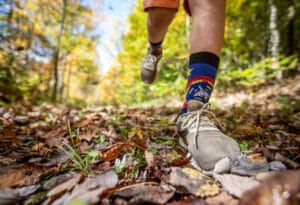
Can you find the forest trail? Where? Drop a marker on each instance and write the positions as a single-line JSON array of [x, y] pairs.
[[61, 155]]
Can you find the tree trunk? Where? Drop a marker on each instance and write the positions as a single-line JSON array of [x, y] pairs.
[[57, 51], [291, 29], [274, 37]]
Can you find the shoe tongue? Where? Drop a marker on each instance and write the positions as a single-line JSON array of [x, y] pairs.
[[194, 105]]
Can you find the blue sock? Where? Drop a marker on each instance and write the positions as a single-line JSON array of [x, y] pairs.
[[202, 74]]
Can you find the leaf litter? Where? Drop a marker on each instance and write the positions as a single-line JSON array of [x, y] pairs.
[[57, 154]]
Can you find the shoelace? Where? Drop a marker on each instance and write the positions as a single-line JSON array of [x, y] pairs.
[[150, 61], [191, 119]]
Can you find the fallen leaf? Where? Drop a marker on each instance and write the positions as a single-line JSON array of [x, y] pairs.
[[9, 196], [28, 190], [38, 146], [23, 176], [88, 197], [275, 188], [180, 162], [56, 142], [192, 181], [111, 152], [248, 130], [90, 190], [13, 177], [88, 135], [55, 181], [145, 193], [149, 158], [234, 184], [257, 158], [287, 161], [21, 120], [83, 147], [66, 186], [221, 199], [101, 166], [189, 201], [297, 138]]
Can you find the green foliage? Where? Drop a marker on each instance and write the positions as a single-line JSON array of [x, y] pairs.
[[245, 60], [265, 69], [101, 139], [140, 161], [120, 164], [244, 145], [122, 84], [41, 38], [80, 161]]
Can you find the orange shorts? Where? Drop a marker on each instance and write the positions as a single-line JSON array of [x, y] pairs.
[[172, 4]]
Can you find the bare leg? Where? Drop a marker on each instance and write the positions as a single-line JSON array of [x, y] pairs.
[[208, 25], [158, 22]]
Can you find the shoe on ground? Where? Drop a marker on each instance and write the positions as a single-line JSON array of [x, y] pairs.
[[149, 67], [211, 149]]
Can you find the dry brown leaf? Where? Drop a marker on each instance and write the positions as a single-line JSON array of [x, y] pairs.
[[23, 176], [13, 177], [55, 142], [287, 161], [192, 181], [234, 184], [222, 199], [83, 147], [248, 130], [149, 158], [88, 135], [66, 186], [55, 181], [189, 201], [111, 152], [276, 188], [90, 190], [257, 158], [180, 162], [9, 196], [145, 193], [297, 138], [38, 146]]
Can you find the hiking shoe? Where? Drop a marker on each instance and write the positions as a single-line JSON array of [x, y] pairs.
[[211, 149], [149, 67]]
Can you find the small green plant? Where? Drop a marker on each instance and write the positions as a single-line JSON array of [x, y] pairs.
[[124, 131], [168, 141], [80, 162], [153, 150], [74, 138], [139, 157], [101, 139], [175, 155], [120, 165], [244, 145]]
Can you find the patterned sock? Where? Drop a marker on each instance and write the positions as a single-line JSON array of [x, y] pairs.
[[155, 48], [202, 74]]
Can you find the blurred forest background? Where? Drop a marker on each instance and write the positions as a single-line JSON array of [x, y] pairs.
[[48, 52]]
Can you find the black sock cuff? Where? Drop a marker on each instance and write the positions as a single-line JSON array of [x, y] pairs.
[[155, 44], [205, 57]]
